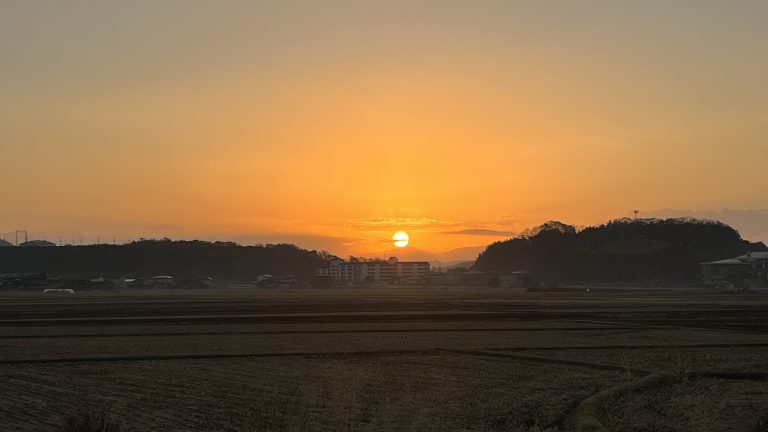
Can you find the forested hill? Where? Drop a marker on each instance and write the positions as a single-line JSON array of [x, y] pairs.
[[180, 259], [621, 250]]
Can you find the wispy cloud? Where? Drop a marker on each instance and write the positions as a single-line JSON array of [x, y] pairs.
[[437, 226], [481, 232], [378, 223]]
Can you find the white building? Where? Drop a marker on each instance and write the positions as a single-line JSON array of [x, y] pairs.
[[388, 271]]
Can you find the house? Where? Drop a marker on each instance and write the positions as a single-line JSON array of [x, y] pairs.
[[149, 283], [58, 291], [749, 270], [451, 276], [759, 268], [162, 281], [475, 278]]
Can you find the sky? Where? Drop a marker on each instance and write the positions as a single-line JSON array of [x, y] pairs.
[[334, 124]]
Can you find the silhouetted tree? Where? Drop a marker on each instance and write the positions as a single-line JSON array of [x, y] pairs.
[[620, 250]]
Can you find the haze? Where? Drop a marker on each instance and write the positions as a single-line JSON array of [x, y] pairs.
[[334, 124]]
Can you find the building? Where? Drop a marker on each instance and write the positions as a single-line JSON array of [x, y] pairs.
[[750, 270], [516, 279], [475, 278], [390, 271], [162, 281], [343, 271]]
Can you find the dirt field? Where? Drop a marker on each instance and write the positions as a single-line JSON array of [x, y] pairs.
[[387, 359]]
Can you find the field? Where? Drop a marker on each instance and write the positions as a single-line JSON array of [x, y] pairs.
[[417, 359]]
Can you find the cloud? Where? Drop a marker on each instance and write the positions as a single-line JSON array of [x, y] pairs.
[[482, 232], [379, 223]]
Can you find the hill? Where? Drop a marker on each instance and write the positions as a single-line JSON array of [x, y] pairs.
[[621, 250], [180, 259]]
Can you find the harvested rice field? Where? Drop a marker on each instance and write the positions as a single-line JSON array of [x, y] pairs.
[[396, 359]]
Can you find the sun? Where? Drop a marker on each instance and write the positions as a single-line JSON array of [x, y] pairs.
[[401, 239]]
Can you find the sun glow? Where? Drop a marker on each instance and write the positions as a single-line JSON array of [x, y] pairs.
[[401, 239]]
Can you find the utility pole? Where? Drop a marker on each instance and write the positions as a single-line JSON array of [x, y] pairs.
[[16, 236]]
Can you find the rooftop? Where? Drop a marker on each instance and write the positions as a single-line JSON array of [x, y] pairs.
[[729, 261], [754, 256]]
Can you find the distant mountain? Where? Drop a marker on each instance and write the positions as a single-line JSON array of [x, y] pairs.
[[621, 250], [441, 259], [462, 254], [461, 264], [404, 254]]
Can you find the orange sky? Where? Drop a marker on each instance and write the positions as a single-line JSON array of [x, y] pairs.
[[335, 125]]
